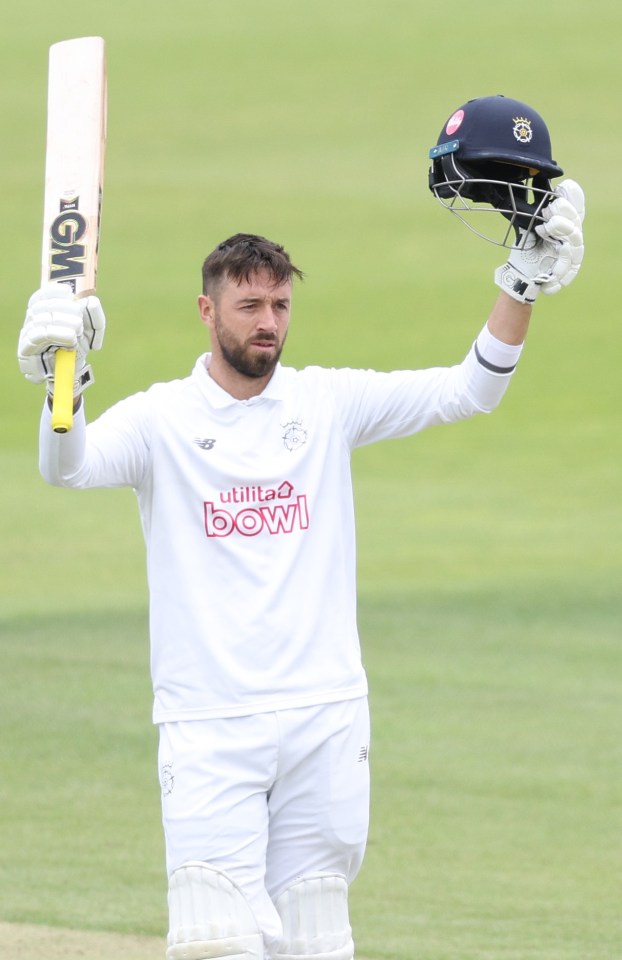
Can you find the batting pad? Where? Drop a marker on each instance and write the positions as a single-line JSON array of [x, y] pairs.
[[316, 924], [209, 917]]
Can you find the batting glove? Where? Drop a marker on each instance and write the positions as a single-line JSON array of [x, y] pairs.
[[563, 220], [550, 257], [55, 319]]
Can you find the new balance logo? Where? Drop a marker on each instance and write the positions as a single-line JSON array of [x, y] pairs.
[[364, 752], [205, 443]]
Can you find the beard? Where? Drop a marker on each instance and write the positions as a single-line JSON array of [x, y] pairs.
[[243, 356]]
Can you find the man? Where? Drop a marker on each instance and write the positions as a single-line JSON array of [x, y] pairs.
[[242, 474]]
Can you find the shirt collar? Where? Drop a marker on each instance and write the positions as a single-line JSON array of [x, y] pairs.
[[219, 398]]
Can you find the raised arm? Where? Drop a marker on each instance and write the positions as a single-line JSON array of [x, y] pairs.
[[509, 320]]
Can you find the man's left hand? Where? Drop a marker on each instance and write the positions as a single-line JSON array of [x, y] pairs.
[[550, 257]]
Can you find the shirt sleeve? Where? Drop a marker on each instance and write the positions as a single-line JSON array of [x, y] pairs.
[[377, 406], [113, 451]]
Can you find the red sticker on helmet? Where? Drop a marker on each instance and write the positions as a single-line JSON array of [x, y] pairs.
[[454, 122]]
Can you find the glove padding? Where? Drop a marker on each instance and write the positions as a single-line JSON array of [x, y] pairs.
[[55, 319], [548, 258], [563, 220]]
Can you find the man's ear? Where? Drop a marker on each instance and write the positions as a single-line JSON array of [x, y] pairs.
[[206, 310]]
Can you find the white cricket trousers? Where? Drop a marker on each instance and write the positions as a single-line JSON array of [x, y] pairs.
[[268, 798]]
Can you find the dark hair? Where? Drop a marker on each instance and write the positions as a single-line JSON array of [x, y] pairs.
[[242, 256]]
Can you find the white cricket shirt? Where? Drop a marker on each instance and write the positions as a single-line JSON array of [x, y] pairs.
[[248, 518]]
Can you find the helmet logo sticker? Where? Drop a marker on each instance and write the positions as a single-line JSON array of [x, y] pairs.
[[522, 129], [454, 122]]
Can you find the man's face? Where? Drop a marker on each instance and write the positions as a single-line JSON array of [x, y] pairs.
[[249, 323]]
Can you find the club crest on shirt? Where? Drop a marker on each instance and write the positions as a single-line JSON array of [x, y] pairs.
[[294, 435]]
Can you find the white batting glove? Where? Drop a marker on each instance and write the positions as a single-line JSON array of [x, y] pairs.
[[563, 220], [54, 318], [549, 258]]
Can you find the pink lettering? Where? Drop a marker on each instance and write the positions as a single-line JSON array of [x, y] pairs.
[[253, 493], [218, 523], [250, 521], [280, 519]]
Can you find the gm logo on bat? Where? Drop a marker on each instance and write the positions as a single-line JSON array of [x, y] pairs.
[[67, 252]]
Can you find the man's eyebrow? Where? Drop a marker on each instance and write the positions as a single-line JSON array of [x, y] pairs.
[[258, 299]]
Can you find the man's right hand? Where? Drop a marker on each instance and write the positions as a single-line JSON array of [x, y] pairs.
[[56, 319]]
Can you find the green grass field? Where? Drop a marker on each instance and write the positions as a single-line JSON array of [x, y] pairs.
[[489, 552]]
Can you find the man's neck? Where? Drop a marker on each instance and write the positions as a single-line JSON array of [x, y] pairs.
[[237, 385]]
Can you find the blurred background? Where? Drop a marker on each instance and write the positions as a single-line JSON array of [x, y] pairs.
[[489, 552]]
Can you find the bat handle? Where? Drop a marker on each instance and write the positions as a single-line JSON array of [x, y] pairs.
[[62, 403]]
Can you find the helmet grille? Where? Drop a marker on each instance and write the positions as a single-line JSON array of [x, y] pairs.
[[491, 187]]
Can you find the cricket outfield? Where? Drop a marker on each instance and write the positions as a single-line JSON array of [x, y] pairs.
[[489, 551]]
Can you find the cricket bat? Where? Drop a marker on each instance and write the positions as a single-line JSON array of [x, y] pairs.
[[74, 175]]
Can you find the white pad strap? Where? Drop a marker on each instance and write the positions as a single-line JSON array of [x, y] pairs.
[[209, 917], [316, 924]]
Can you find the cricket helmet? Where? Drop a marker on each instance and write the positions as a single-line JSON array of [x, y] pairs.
[[494, 154]]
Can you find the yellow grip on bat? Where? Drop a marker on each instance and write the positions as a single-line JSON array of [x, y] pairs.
[[62, 403]]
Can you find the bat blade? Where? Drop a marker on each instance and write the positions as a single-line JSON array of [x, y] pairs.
[[74, 176]]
